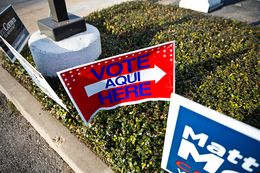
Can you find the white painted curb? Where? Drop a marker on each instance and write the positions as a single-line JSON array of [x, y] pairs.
[[201, 5], [74, 152]]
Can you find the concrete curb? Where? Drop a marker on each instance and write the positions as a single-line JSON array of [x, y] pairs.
[[74, 152]]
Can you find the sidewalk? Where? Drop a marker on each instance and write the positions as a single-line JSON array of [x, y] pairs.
[[30, 11]]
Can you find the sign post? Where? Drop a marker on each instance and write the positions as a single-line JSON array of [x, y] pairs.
[[61, 25], [58, 10], [199, 139], [130, 78]]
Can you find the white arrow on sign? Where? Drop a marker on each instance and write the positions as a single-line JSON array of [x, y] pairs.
[[145, 75]]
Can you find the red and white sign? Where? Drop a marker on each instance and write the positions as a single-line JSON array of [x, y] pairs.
[[130, 78]]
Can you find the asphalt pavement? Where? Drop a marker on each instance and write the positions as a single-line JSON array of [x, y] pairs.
[[22, 149], [242, 10]]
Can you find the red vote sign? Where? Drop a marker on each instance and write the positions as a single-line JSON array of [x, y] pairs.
[[130, 78]]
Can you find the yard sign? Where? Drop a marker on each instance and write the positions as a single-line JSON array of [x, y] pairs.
[[201, 140], [36, 76], [13, 31], [130, 78]]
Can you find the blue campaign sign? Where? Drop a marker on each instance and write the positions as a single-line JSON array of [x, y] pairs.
[[201, 140]]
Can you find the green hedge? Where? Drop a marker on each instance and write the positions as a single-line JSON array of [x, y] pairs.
[[217, 66]]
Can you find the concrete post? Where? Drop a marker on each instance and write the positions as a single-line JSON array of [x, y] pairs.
[[63, 41]]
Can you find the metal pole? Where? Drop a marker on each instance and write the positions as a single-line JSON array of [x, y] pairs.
[[58, 10]]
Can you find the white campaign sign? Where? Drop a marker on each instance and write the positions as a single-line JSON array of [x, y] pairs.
[[35, 75]]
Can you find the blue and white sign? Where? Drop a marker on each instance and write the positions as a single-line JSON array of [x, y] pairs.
[[200, 140]]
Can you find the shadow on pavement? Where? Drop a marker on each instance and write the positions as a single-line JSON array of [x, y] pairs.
[[230, 2]]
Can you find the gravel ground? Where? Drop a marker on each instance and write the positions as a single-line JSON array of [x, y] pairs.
[[22, 150]]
